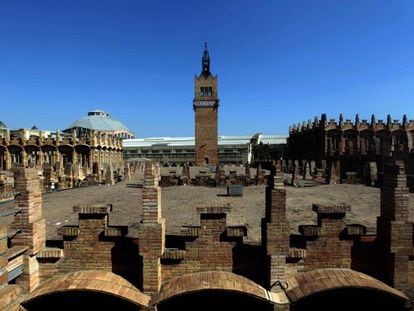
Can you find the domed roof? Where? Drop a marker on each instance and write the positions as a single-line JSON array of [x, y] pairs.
[[100, 121], [2, 125]]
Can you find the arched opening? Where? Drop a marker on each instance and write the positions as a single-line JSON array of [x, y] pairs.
[[33, 154], [79, 300], [342, 289], [213, 290], [3, 158], [67, 152], [95, 168], [83, 155], [355, 299], [16, 154], [50, 154], [86, 290], [214, 300]]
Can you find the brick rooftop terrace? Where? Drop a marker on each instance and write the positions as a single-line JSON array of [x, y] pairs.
[[179, 202]]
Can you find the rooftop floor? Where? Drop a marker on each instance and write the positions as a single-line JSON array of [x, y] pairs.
[[179, 205]]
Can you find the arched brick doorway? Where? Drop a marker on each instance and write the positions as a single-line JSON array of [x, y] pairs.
[[86, 290], [80, 300], [350, 299], [213, 290], [215, 300], [342, 289]]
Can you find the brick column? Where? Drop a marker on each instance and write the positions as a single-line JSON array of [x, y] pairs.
[[23, 156], [110, 175], [40, 154], [127, 172], [56, 156], [276, 227], [30, 223], [152, 229], [393, 229], [74, 157], [91, 159], [8, 160], [295, 172]]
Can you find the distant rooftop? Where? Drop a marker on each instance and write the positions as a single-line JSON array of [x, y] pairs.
[[190, 141], [99, 120]]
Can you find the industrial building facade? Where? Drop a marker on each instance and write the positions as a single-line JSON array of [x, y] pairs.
[[181, 150]]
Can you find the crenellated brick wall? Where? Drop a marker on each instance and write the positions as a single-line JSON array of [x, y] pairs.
[[93, 245], [207, 247], [329, 243]]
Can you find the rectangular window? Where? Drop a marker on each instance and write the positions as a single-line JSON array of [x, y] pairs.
[[206, 91]]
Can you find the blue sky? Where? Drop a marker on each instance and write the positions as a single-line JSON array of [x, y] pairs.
[[278, 62]]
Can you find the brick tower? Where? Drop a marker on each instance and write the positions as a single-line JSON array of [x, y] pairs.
[[205, 105]]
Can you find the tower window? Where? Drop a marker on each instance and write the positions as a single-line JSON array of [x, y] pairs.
[[206, 91]]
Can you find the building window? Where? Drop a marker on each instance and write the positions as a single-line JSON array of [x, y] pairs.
[[206, 91]]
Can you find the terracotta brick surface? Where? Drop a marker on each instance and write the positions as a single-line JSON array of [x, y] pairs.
[[208, 251], [326, 246], [152, 230], [395, 233], [206, 119]]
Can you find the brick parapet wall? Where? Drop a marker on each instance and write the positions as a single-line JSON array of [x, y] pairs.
[[93, 245], [328, 244], [210, 250], [29, 280]]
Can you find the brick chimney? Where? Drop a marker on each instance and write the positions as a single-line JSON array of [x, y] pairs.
[[152, 229], [393, 229], [28, 224], [275, 229]]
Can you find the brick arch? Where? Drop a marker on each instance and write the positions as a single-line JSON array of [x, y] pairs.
[[82, 146], [213, 280], [320, 280], [45, 147], [90, 281]]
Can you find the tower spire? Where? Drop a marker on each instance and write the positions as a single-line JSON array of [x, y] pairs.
[[205, 61]]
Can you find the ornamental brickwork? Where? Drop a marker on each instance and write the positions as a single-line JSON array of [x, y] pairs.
[[152, 269]]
